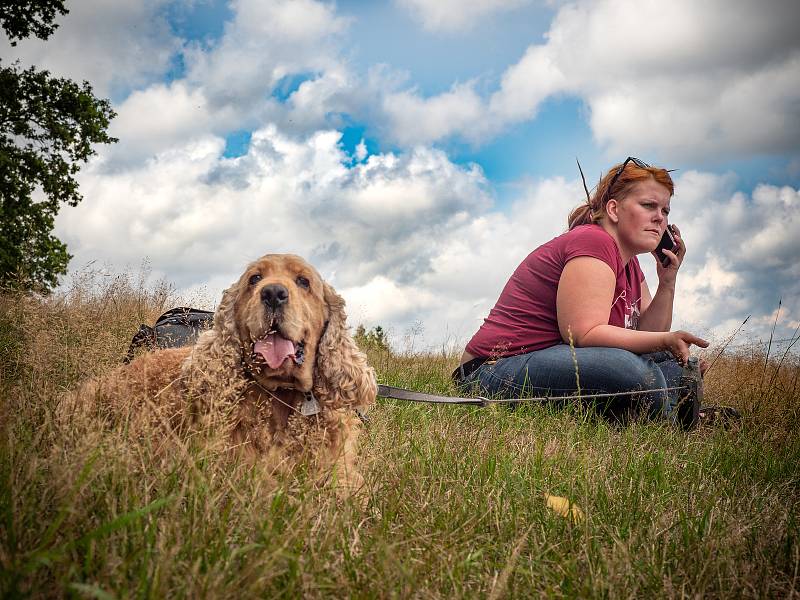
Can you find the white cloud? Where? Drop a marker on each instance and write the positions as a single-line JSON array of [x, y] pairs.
[[454, 15], [285, 195], [410, 237], [157, 118], [407, 237], [414, 119], [681, 78], [412, 240], [383, 300], [741, 251], [116, 46], [228, 83], [526, 84], [361, 151], [311, 106], [264, 42]]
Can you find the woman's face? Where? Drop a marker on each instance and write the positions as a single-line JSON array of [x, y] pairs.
[[642, 216]]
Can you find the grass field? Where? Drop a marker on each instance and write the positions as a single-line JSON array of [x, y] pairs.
[[456, 496]]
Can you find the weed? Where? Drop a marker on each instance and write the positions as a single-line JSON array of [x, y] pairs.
[[456, 494]]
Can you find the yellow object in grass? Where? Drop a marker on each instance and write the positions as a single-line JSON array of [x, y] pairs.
[[564, 508]]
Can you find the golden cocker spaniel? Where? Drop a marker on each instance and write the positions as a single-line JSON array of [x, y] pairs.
[[279, 363]]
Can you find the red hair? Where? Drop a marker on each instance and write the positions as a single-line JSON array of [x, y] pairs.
[[594, 209]]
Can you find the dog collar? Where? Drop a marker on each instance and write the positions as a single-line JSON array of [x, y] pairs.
[[310, 405]]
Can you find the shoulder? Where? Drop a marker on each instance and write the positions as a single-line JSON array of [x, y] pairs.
[[594, 241], [580, 236], [591, 232]]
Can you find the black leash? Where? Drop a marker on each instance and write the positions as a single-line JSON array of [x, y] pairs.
[[398, 393], [688, 407]]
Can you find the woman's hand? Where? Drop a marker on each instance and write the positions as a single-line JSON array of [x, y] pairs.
[[678, 342], [669, 273]]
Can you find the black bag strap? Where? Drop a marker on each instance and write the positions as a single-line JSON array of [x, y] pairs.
[[185, 316], [146, 336], [175, 327]]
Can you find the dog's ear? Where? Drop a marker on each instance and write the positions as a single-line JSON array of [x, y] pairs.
[[342, 377], [218, 352], [224, 321]]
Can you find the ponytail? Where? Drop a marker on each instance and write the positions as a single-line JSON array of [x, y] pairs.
[[580, 215]]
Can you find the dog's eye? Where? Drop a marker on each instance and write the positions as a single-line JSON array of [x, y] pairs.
[[302, 282], [254, 279]]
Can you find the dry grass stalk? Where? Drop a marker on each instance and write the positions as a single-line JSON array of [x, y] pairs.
[[111, 502]]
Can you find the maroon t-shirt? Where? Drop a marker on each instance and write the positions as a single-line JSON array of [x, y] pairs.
[[524, 318]]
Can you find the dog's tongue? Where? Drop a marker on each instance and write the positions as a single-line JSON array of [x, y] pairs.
[[275, 349]]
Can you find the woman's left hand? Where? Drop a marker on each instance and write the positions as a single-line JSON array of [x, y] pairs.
[[667, 274]]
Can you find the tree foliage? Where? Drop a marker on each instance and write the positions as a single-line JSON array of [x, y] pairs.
[[48, 126], [22, 19], [372, 339]]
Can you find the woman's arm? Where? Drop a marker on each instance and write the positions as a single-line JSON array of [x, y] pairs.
[[583, 304], [657, 313]]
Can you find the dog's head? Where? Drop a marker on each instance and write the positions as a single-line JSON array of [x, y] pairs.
[[277, 314], [287, 328]]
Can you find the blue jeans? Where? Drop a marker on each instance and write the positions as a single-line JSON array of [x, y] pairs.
[[552, 372]]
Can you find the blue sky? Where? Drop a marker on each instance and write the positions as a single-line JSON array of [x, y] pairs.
[[387, 33], [416, 150]]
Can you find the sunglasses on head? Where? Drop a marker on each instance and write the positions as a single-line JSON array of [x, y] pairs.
[[639, 163]]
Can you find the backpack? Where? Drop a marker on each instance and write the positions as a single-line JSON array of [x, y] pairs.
[[177, 327]]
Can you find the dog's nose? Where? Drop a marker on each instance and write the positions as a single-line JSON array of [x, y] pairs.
[[274, 295]]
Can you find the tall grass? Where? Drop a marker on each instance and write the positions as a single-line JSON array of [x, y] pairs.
[[455, 495]]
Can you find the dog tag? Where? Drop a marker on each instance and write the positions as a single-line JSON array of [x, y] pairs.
[[310, 406]]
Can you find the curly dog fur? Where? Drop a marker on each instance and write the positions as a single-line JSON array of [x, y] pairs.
[[235, 370]]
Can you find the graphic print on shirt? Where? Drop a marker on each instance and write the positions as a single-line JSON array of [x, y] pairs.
[[631, 310]]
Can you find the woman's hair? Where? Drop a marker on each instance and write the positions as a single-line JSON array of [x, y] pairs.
[[594, 209]]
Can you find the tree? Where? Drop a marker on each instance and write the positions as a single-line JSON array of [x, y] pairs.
[[21, 19], [47, 128], [374, 339]]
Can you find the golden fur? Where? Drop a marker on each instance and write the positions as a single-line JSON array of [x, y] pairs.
[[222, 376]]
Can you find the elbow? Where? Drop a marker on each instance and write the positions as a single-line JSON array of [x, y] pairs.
[[576, 337], [582, 336]]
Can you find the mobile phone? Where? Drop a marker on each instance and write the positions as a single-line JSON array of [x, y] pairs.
[[667, 243]]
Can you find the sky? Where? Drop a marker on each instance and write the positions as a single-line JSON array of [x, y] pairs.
[[415, 151]]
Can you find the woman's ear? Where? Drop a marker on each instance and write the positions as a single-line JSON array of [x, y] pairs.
[[342, 377], [612, 210]]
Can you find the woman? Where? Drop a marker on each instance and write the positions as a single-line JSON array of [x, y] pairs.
[[577, 314]]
